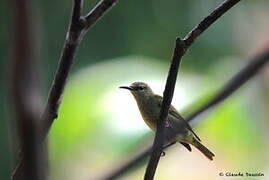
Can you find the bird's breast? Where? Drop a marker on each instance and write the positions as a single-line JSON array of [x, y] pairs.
[[150, 114]]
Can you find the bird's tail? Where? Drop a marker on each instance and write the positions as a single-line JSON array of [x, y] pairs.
[[203, 149]]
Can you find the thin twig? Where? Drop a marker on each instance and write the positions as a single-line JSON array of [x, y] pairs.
[[180, 49], [95, 14], [238, 80], [79, 25], [253, 67], [208, 21], [132, 163]]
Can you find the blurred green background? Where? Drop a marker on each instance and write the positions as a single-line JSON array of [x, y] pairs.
[[99, 126]]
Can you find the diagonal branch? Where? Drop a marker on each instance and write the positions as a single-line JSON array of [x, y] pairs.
[[180, 49], [66, 60], [79, 24], [98, 11], [254, 66], [209, 20], [131, 164]]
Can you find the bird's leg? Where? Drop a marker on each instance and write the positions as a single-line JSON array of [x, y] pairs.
[[170, 144], [167, 124]]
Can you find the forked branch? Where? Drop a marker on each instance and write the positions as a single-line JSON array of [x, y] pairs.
[[180, 49], [255, 64], [79, 25]]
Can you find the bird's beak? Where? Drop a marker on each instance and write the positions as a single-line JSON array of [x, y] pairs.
[[127, 87]]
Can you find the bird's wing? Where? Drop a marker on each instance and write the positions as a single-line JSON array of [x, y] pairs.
[[173, 112]]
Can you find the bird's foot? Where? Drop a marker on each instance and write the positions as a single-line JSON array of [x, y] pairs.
[[167, 124]]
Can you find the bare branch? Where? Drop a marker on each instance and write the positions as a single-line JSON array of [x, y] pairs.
[[98, 11], [238, 80], [74, 36], [76, 11], [254, 66], [128, 166], [77, 28], [66, 60], [132, 163], [209, 20], [180, 49]]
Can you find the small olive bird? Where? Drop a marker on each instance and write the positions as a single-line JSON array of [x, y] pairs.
[[150, 104]]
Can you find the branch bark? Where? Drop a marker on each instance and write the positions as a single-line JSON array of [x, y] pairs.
[[180, 49], [98, 11], [249, 71], [78, 27], [73, 38]]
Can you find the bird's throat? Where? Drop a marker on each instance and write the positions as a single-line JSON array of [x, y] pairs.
[[150, 111]]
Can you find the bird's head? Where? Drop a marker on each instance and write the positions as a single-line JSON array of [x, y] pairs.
[[140, 90]]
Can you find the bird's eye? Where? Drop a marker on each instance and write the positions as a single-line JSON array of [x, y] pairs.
[[140, 88]]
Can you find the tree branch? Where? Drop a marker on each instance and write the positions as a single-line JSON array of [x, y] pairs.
[[68, 52], [209, 20], [79, 24], [253, 67], [132, 163], [102, 7], [233, 84], [77, 28], [76, 11], [180, 49]]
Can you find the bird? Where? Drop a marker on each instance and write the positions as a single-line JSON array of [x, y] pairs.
[[149, 105]]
